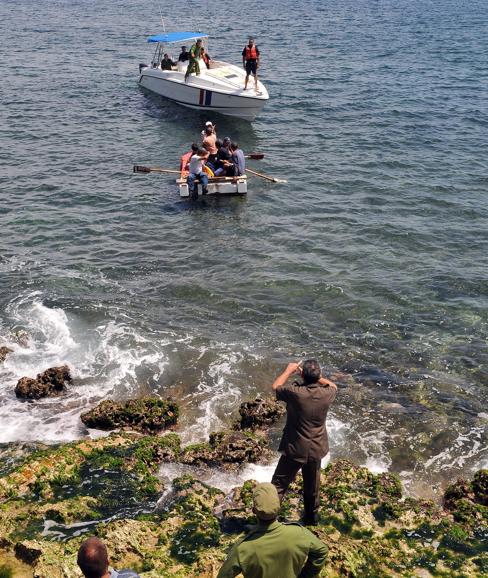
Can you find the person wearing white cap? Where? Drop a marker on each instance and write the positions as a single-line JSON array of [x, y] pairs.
[[210, 124], [272, 549]]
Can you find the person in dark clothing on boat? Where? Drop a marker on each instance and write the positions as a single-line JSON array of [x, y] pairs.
[[304, 442], [195, 56], [238, 160], [250, 62], [93, 561], [184, 55], [167, 63]]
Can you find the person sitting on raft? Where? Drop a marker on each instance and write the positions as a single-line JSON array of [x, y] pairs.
[[225, 166], [238, 160], [209, 144], [197, 163], [167, 63], [185, 159]]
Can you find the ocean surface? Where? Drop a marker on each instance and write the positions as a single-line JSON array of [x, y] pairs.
[[373, 258]]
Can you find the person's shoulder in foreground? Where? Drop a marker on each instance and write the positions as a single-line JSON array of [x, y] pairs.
[[93, 561]]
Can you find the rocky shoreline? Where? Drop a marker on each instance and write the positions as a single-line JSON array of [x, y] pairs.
[[51, 496]]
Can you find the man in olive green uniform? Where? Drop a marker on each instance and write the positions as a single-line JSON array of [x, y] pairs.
[[304, 442], [272, 549]]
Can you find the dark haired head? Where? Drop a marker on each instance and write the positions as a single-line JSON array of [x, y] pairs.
[[311, 371], [226, 141], [234, 146], [218, 143], [93, 558], [194, 147]]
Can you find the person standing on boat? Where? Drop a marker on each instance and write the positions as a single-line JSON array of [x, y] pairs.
[[195, 55], [196, 172], [304, 442], [250, 62], [184, 55], [238, 159]]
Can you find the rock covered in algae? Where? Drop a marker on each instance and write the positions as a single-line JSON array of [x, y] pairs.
[[372, 530], [146, 415], [259, 413], [49, 383], [228, 448]]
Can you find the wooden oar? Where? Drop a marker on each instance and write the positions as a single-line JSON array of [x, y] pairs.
[[143, 169], [267, 177]]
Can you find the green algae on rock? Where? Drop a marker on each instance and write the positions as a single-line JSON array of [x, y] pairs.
[[370, 528], [259, 413], [228, 449], [146, 415]]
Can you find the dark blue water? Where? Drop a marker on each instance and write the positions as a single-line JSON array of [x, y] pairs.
[[373, 258]]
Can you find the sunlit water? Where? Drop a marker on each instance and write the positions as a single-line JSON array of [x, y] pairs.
[[373, 258]]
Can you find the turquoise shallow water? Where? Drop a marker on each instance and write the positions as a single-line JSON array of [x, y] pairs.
[[372, 258]]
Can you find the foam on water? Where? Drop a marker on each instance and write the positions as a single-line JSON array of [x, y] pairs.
[[215, 395], [104, 361]]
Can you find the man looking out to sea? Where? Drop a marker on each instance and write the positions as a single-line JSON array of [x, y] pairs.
[[304, 442]]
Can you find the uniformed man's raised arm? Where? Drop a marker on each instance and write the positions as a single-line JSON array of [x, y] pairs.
[[317, 557], [283, 378], [231, 566]]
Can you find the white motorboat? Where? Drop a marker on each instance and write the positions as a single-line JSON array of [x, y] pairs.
[[219, 88]]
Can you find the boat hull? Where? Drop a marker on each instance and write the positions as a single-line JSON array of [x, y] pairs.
[[206, 92], [237, 186]]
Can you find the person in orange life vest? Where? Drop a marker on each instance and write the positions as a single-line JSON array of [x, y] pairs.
[[250, 62], [205, 57], [185, 159]]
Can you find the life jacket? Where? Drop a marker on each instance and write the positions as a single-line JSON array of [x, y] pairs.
[[184, 160], [251, 52]]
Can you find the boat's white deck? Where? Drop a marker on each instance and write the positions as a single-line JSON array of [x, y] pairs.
[[221, 77]]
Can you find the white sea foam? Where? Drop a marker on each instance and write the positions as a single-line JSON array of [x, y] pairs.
[[104, 361], [215, 395]]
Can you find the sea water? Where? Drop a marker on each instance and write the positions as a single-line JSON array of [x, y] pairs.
[[372, 259]]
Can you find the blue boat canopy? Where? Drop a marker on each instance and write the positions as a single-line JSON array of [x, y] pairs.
[[176, 37]]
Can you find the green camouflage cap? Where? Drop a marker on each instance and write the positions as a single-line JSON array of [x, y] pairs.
[[266, 501]]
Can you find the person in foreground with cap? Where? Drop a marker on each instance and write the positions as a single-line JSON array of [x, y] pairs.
[[93, 561], [272, 549], [304, 442]]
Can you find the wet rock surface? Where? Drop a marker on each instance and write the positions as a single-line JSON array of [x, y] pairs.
[[4, 351], [230, 448], [147, 415], [51, 498], [259, 413], [49, 383]]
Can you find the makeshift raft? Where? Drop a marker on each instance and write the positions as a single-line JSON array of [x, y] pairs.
[[216, 186]]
